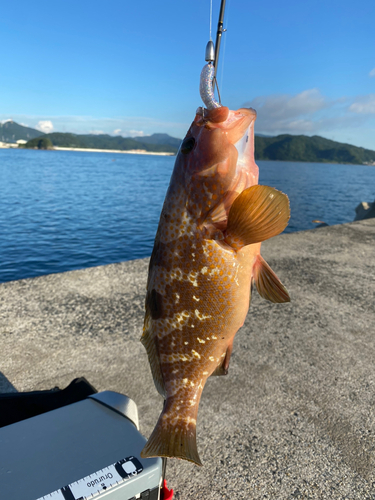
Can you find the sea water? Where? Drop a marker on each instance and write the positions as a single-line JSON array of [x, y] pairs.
[[64, 210]]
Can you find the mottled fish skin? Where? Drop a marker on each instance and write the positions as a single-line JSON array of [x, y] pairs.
[[198, 289]]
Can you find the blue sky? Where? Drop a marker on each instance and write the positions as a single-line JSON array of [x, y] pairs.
[[132, 67]]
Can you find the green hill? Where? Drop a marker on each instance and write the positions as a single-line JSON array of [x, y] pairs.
[[310, 149], [102, 141], [160, 139], [11, 131], [282, 147]]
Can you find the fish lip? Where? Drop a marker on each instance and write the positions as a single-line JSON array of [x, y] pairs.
[[233, 120], [237, 123]]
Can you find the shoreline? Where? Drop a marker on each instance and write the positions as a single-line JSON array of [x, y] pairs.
[[8, 145], [4, 145], [129, 151]]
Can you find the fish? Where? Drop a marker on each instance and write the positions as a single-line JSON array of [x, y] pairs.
[[206, 257]]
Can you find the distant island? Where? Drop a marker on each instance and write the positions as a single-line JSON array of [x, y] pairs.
[[157, 143], [285, 147], [11, 132], [313, 149]]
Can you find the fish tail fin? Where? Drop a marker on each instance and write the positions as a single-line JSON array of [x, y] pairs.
[[173, 437], [257, 214]]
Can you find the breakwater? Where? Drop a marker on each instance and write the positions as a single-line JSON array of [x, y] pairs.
[[293, 418]]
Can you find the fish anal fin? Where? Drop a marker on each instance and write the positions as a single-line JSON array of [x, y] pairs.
[[257, 214], [149, 340], [223, 368], [174, 436], [267, 283]]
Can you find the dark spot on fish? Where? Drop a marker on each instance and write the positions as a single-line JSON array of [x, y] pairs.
[[166, 216], [154, 303], [187, 145], [247, 138]]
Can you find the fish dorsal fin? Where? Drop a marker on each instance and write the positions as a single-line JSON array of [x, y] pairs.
[[268, 284], [257, 214], [149, 340]]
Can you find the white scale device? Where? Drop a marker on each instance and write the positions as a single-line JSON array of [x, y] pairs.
[[85, 450]]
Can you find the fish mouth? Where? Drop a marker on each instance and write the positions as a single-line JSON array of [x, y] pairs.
[[233, 123], [245, 144], [237, 125], [239, 129], [247, 171]]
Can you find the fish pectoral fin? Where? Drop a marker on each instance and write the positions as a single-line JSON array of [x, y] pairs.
[[257, 214], [223, 368], [150, 343], [267, 283]]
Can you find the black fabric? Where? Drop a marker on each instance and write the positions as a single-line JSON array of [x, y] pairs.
[[18, 406]]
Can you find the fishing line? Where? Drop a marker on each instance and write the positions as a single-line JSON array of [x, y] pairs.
[[210, 19], [225, 45], [209, 71]]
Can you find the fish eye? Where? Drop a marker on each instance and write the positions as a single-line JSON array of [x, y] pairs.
[[187, 145]]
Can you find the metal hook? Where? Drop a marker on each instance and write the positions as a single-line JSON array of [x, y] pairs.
[[208, 78]]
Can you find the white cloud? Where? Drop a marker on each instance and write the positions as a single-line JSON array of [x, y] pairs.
[[129, 133], [45, 126], [286, 106], [364, 105], [298, 114], [96, 132], [348, 119], [372, 72], [136, 133], [129, 126]]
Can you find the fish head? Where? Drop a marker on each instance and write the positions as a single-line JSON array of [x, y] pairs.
[[216, 162]]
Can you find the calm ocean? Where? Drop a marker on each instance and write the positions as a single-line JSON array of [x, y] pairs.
[[63, 210]]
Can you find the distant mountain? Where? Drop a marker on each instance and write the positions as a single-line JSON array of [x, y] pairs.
[[159, 139], [311, 149], [102, 141], [282, 147], [11, 131]]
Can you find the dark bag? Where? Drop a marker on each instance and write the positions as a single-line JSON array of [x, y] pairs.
[[17, 406]]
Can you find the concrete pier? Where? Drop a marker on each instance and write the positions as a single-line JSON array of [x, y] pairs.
[[294, 418]]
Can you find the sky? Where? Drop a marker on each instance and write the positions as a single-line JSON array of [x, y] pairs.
[[132, 68]]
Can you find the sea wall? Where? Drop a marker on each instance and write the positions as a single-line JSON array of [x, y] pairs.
[[365, 210], [293, 419]]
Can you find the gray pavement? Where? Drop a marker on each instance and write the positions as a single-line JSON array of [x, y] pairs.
[[294, 419]]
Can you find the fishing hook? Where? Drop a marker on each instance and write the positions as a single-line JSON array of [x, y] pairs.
[[208, 78]]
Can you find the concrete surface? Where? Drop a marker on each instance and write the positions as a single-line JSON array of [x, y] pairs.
[[294, 419]]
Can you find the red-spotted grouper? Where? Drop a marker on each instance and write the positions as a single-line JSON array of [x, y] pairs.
[[206, 255]]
